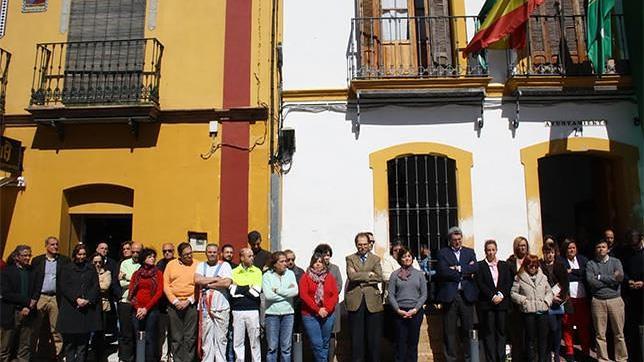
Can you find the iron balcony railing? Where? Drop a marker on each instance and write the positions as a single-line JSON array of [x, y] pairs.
[[106, 72], [558, 45], [412, 47], [5, 59]]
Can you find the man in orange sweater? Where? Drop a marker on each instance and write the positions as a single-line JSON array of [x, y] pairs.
[[179, 288]]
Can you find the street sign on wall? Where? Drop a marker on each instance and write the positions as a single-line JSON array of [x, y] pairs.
[[10, 154]]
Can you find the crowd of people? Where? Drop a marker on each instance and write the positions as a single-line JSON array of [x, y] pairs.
[[218, 310]]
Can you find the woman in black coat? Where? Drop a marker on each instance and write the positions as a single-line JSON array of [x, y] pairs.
[[557, 275], [494, 281], [80, 310]]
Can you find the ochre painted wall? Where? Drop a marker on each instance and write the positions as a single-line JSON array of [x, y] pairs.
[[192, 66], [175, 189]]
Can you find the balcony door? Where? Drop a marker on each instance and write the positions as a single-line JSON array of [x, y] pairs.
[[404, 38], [398, 25]]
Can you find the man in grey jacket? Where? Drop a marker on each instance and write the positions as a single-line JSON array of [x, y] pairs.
[[604, 275]]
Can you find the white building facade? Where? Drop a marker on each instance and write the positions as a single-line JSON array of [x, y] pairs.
[[397, 133]]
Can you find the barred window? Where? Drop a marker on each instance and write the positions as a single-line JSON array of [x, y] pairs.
[[422, 200]]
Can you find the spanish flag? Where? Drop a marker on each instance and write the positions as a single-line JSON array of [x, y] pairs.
[[506, 19]]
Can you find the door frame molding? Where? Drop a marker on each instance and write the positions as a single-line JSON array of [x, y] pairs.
[[624, 156], [378, 164]]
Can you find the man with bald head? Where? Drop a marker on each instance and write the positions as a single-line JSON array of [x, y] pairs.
[[98, 341], [126, 335], [103, 250], [245, 303]]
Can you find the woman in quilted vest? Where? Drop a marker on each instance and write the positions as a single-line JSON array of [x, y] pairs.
[[533, 295]]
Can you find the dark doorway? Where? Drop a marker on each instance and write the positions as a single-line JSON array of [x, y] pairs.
[[112, 229], [578, 196]]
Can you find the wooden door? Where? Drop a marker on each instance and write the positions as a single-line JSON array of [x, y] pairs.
[[398, 30]]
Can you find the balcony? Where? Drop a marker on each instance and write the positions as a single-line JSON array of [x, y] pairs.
[[70, 78], [557, 46], [412, 47], [5, 59], [394, 60]]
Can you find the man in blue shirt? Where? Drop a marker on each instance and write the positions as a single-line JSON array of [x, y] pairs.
[[457, 292]]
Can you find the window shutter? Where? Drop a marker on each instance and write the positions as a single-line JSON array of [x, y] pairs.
[[106, 20], [98, 68], [550, 48], [367, 35], [440, 37], [574, 31], [544, 36]]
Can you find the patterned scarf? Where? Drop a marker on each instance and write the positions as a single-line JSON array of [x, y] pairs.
[[404, 273], [318, 278], [145, 272]]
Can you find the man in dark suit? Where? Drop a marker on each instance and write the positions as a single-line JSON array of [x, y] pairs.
[[364, 301], [46, 291], [457, 291], [494, 281], [16, 306]]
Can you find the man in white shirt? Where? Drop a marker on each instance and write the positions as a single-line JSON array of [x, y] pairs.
[[213, 277]]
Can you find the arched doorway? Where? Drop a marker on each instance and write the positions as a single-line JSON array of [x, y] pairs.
[[97, 213], [611, 196], [578, 196]]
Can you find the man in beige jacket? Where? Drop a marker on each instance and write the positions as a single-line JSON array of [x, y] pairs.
[[364, 301]]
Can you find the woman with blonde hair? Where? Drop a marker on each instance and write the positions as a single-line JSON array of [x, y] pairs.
[[532, 292], [521, 249]]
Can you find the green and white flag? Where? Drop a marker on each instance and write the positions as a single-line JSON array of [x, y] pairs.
[[598, 27]]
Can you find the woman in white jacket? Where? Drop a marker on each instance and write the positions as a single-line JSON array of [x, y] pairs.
[[532, 293]]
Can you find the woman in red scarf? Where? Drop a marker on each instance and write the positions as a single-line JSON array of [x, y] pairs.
[[319, 295], [145, 290]]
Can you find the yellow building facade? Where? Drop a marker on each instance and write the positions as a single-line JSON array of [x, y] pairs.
[[171, 135]]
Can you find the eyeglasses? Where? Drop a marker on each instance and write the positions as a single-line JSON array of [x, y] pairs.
[[168, 251], [186, 255], [533, 265], [290, 259]]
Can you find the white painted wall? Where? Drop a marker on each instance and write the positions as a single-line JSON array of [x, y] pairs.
[[328, 193], [316, 34]]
